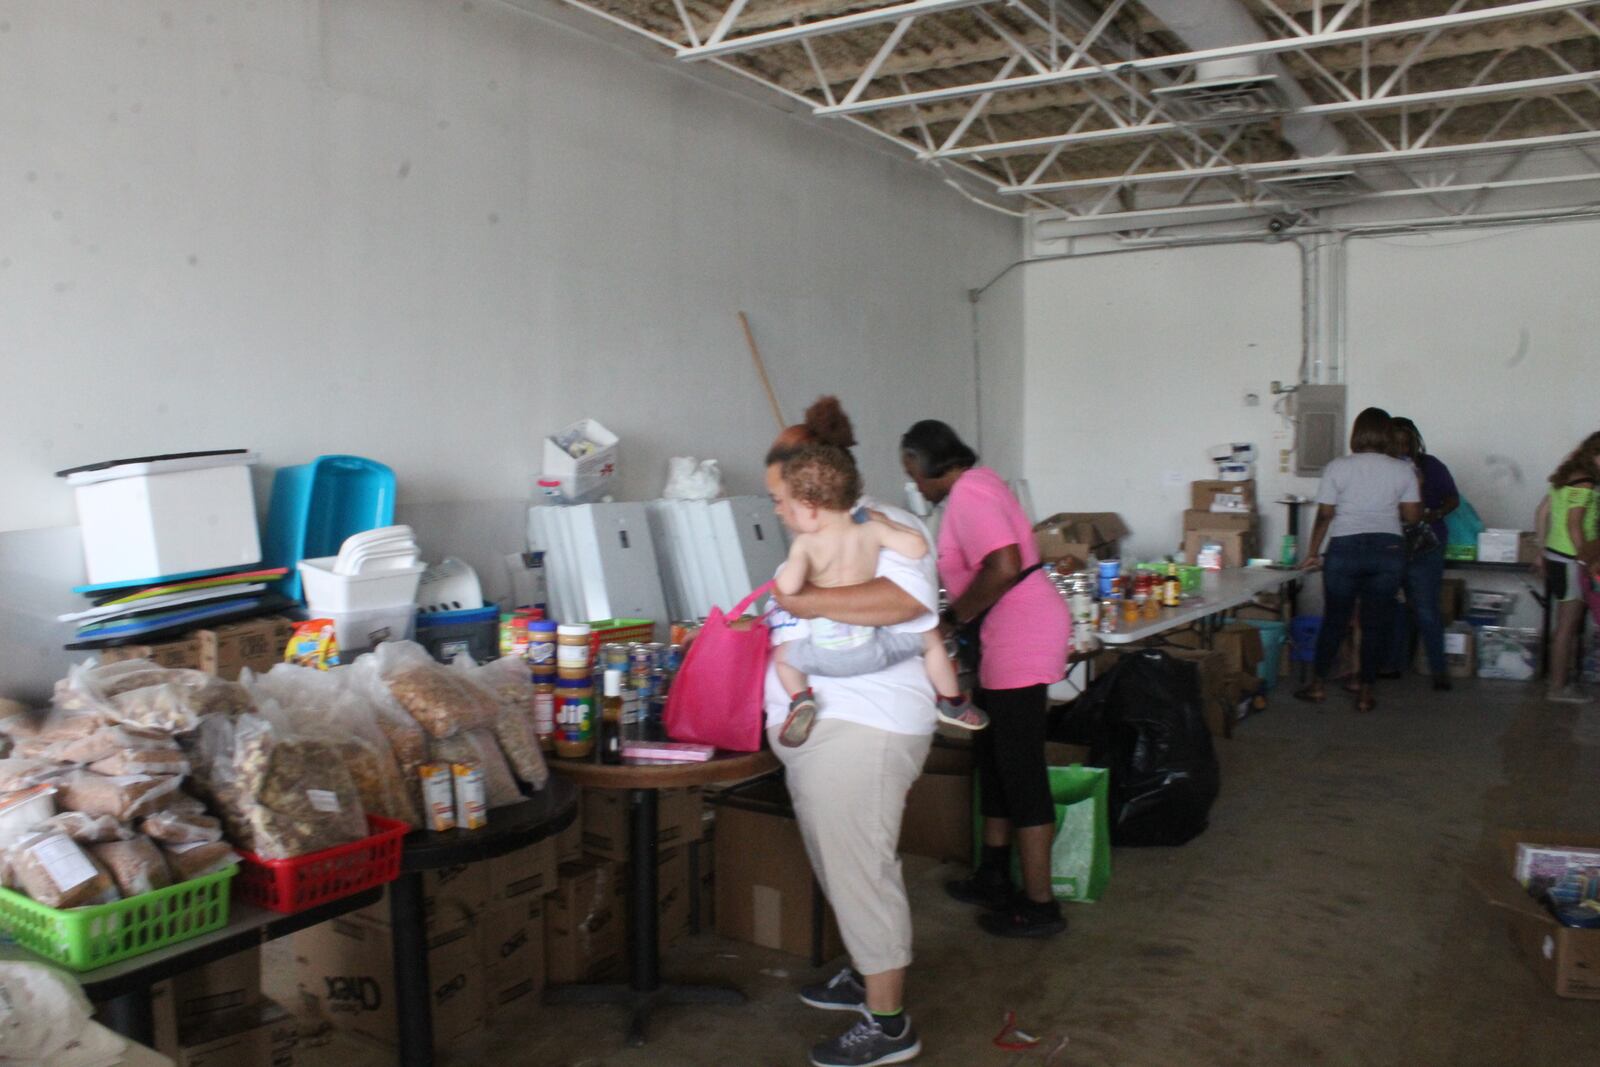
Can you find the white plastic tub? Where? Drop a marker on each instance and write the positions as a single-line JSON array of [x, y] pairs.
[[358, 631], [164, 516], [327, 592]]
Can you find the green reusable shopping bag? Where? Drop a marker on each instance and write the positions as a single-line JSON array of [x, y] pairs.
[[1080, 855]]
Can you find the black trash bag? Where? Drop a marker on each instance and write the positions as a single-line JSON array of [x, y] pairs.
[[1145, 722]]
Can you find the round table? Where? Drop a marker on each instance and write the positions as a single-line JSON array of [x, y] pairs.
[[510, 828], [644, 990]]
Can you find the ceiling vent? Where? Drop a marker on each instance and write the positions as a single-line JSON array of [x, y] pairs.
[[1225, 100], [1314, 187]]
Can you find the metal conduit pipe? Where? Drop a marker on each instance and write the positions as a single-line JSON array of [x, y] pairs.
[[1203, 24]]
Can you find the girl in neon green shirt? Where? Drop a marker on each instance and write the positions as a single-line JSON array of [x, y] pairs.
[[1569, 520]]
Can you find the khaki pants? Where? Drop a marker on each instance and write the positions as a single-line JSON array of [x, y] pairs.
[[849, 784]]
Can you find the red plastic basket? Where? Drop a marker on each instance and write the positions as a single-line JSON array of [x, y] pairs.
[[305, 881]]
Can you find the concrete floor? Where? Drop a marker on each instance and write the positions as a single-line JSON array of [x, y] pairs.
[[1322, 919]]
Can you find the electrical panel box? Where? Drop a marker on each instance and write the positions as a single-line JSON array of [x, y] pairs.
[[1319, 427]]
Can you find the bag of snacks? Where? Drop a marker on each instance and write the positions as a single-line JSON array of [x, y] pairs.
[[508, 679], [87, 829], [198, 858], [123, 796], [297, 794], [480, 747], [143, 761], [54, 870], [440, 699], [136, 865], [23, 773], [175, 828]]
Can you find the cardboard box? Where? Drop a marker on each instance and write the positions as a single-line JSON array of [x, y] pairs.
[[702, 883], [1528, 547], [583, 926], [1241, 643], [1080, 534], [672, 894], [606, 816], [765, 892], [1452, 599], [163, 1020], [938, 816], [344, 970], [569, 842], [1566, 959], [1237, 546], [183, 653], [257, 644], [226, 986], [262, 1035], [1203, 494], [527, 872], [1215, 676], [512, 950], [452, 897], [1211, 521]]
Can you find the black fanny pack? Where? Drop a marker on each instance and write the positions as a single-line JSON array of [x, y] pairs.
[[969, 648]]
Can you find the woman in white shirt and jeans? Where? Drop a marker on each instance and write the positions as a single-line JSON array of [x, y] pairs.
[[1362, 501]]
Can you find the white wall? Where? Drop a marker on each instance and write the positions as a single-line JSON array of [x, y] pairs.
[[1137, 363], [1488, 340], [1002, 373], [431, 233]]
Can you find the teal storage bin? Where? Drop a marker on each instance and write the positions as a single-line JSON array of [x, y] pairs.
[[1273, 636]]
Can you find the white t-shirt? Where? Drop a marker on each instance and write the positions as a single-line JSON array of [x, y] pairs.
[[1366, 490], [898, 700]]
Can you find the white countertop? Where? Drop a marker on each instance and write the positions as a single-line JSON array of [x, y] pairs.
[[1219, 591]]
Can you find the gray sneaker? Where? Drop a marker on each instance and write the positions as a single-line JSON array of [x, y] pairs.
[[1569, 694], [866, 1045], [843, 992]]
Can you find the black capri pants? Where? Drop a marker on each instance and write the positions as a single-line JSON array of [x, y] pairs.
[[1012, 780]]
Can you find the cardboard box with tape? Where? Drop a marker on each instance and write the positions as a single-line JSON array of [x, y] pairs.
[[1076, 535]]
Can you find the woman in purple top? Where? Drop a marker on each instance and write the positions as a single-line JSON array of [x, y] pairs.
[[1424, 574]]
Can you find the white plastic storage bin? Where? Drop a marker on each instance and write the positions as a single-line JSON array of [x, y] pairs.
[[146, 519], [328, 592], [358, 631], [586, 477]]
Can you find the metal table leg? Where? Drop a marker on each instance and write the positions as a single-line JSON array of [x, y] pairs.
[[129, 1015], [644, 991], [413, 1002]]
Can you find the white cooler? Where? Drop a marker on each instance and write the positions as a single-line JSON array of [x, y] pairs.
[[165, 516]]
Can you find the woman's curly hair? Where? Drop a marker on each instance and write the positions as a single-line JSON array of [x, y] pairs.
[[825, 424], [823, 476]]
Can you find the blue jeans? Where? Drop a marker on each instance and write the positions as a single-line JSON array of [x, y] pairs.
[[1423, 578], [1366, 568]]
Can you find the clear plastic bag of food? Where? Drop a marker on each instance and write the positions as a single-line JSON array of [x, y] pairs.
[[143, 761], [123, 797], [90, 686], [508, 679], [139, 694], [54, 870], [61, 726], [136, 865], [23, 772], [481, 748], [332, 706], [179, 828], [198, 858], [440, 699], [87, 829], [298, 795]]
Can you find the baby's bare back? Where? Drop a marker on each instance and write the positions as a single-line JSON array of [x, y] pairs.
[[842, 555]]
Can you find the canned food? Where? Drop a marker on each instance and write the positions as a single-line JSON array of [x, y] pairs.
[[1110, 615], [438, 796], [472, 809], [658, 655], [641, 659], [674, 657], [614, 656]]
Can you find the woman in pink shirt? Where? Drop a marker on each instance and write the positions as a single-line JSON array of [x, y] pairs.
[[989, 565]]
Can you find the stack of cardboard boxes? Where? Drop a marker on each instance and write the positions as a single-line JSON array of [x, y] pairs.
[[215, 1016], [223, 650], [499, 930], [1225, 513]]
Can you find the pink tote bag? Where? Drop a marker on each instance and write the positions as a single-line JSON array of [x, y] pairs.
[[717, 697]]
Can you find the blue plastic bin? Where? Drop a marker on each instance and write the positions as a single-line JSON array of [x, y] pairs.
[[316, 505], [1273, 635]]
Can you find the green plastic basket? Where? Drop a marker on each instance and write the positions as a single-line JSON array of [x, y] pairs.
[[86, 938], [1461, 552]]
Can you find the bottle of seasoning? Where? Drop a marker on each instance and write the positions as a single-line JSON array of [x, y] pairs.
[[611, 719], [544, 713], [574, 718], [1174, 587]]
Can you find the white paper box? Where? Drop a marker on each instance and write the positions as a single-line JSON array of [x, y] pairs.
[[589, 477], [143, 521], [1498, 546]]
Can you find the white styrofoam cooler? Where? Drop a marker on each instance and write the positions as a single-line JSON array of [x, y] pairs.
[[587, 477], [149, 519]]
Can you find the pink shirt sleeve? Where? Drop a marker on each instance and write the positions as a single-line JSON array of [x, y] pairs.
[[978, 522]]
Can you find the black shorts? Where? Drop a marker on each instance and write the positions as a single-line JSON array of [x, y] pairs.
[[1013, 782]]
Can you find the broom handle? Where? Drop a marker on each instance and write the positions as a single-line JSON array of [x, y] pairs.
[[761, 369]]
